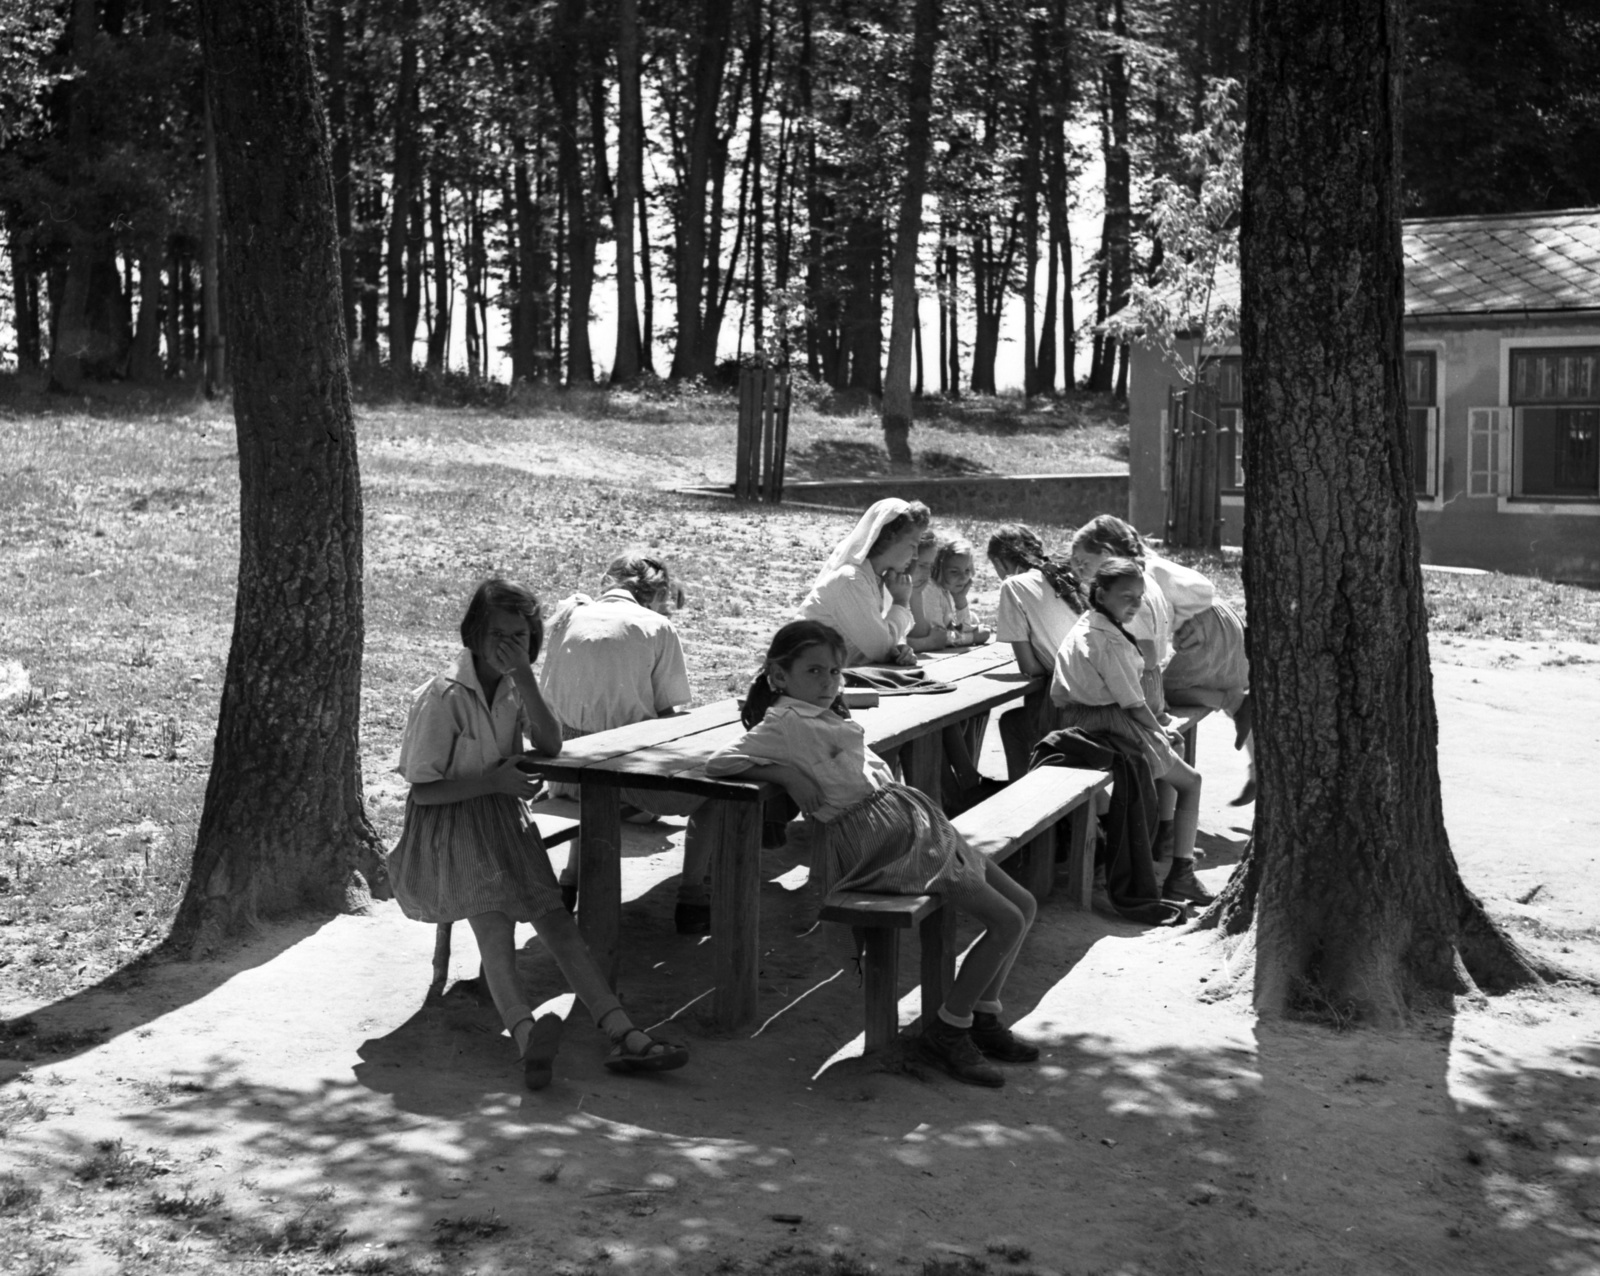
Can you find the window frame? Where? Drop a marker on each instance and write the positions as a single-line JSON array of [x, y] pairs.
[[1516, 501], [1432, 465]]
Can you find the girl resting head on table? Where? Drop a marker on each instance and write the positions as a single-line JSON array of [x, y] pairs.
[[874, 834]]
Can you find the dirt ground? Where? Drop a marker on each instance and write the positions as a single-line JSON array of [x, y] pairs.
[[1165, 1131]]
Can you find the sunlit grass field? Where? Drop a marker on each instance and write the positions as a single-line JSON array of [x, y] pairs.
[[118, 547]]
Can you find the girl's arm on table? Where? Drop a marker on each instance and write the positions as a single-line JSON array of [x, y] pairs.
[[1028, 660], [805, 791]]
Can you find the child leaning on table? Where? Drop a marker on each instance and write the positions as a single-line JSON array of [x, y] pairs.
[[873, 834], [944, 597], [468, 848]]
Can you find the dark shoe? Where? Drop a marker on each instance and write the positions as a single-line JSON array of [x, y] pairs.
[[658, 1056], [569, 897], [774, 833], [996, 1040], [692, 919], [1247, 794], [1183, 885], [1243, 721], [539, 1055], [953, 1050]]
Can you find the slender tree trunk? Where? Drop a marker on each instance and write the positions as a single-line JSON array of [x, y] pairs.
[[144, 359], [25, 300], [1359, 901], [403, 190], [443, 287], [283, 828], [70, 339], [567, 74], [908, 233], [952, 277], [647, 338], [689, 254], [627, 363], [1119, 199]]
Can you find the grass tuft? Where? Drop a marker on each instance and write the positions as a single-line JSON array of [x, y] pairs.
[[468, 1227], [112, 1166], [17, 1195]]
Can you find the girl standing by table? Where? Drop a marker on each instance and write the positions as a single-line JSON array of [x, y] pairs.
[[872, 834], [468, 849]]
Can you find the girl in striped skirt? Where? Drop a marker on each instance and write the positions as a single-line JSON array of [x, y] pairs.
[[468, 849], [872, 834]]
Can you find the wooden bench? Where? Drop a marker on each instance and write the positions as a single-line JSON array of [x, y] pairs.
[[1020, 824], [552, 829]]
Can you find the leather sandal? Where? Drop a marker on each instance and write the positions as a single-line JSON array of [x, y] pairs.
[[658, 1056]]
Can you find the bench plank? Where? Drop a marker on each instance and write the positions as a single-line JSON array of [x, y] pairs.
[[1003, 824]]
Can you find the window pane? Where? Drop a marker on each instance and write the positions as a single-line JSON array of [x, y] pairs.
[[1225, 374], [1555, 376], [1561, 452], [1420, 381]]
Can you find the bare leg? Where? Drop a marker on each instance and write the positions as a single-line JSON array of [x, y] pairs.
[[495, 935], [1006, 910]]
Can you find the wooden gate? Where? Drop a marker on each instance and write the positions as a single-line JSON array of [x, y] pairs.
[[1194, 488], [763, 439]]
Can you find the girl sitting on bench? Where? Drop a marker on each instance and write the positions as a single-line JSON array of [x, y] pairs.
[[468, 848], [872, 834]]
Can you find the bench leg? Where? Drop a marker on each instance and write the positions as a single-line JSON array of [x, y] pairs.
[[882, 960], [600, 874], [938, 935], [1081, 823], [735, 830], [1037, 870]]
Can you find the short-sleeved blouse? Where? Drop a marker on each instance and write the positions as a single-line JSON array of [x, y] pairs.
[[611, 662], [1187, 592], [1031, 611], [1097, 665], [453, 733], [818, 742]]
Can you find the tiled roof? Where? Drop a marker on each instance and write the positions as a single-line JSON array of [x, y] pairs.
[[1510, 262]]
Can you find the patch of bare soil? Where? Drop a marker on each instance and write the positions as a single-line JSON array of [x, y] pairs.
[[297, 1107]]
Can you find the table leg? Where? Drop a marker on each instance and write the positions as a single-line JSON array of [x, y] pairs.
[[1081, 826], [735, 830], [922, 763], [600, 874]]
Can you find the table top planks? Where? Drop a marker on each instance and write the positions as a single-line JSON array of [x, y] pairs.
[[671, 752]]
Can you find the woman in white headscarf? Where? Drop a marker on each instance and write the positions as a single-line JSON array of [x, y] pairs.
[[864, 590]]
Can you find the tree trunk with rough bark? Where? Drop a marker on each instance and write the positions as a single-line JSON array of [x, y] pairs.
[[908, 233], [402, 331], [283, 827], [1356, 898], [627, 363]]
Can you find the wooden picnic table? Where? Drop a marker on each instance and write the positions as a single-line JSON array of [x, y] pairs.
[[670, 753]]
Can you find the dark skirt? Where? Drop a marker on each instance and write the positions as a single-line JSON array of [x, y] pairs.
[[1115, 720], [458, 859], [896, 842]]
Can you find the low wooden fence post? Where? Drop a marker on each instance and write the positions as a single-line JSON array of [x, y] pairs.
[[1194, 487]]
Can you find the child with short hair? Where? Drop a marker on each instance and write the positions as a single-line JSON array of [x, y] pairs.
[[1098, 687], [872, 834], [613, 661], [468, 848]]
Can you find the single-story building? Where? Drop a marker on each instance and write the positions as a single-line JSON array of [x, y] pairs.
[[1502, 363]]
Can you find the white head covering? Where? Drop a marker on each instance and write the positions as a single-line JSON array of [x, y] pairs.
[[852, 550]]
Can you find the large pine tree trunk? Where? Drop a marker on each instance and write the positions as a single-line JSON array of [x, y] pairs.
[[566, 77], [283, 826], [402, 330], [70, 341], [1359, 900], [908, 234]]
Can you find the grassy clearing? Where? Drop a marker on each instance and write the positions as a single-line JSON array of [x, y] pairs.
[[118, 544]]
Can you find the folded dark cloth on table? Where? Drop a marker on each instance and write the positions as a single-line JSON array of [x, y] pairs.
[[894, 680]]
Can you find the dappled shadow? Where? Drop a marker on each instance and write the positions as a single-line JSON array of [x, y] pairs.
[[1007, 416]]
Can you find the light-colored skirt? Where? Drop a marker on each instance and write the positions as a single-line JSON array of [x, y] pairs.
[[1114, 720], [1217, 662], [896, 842], [459, 859]]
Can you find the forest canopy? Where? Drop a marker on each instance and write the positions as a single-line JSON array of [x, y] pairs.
[[489, 155]]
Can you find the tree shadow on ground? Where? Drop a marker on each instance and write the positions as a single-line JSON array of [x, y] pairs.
[[854, 459]]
